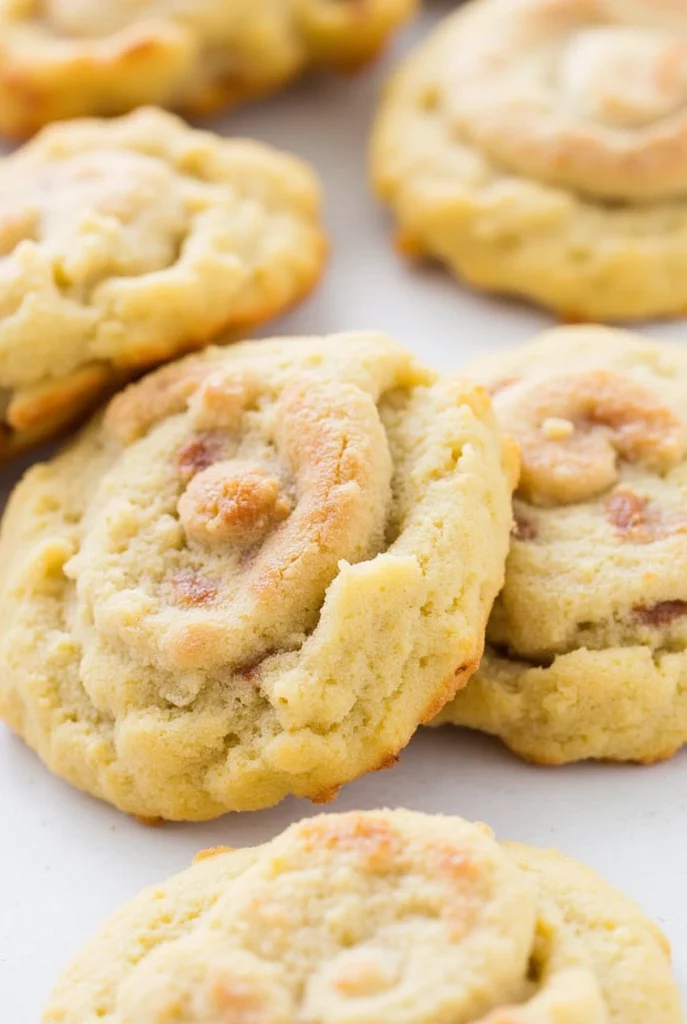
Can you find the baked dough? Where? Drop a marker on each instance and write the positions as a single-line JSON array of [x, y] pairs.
[[587, 644], [124, 243], [378, 916], [73, 58], [539, 148], [255, 576]]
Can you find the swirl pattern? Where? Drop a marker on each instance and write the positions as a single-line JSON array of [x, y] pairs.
[[386, 915], [124, 243], [590, 95], [587, 644], [539, 147], [72, 58], [269, 563]]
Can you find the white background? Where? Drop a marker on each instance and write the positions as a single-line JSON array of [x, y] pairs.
[[66, 860]]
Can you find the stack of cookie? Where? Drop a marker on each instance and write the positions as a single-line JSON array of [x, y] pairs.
[[259, 568]]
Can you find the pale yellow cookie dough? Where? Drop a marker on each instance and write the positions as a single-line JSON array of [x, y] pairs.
[[124, 243], [380, 916], [256, 576], [72, 58], [539, 148], [587, 644]]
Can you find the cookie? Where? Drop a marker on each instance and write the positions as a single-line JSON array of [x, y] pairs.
[[384, 915], [125, 243], [587, 644], [255, 576], [539, 149], [73, 58]]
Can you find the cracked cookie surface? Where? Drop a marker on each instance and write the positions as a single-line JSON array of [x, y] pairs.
[[124, 243], [586, 651], [537, 147], [255, 576], [74, 58], [382, 915]]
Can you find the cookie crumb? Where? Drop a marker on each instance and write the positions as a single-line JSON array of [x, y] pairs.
[[556, 429]]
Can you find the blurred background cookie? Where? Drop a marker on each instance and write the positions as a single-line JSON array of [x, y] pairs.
[[71, 58], [127, 242], [539, 148], [384, 915], [255, 576], [587, 644]]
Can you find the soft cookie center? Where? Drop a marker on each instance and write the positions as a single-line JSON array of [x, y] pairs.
[[623, 77], [122, 185], [113, 213]]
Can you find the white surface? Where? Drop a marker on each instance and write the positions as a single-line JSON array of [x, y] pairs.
[[66, 860]]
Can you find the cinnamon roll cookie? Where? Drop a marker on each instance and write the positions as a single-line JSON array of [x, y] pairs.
[[124, 243], [587, 644], [71, 58], [255, 576], [539, 148], [378, 916]]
